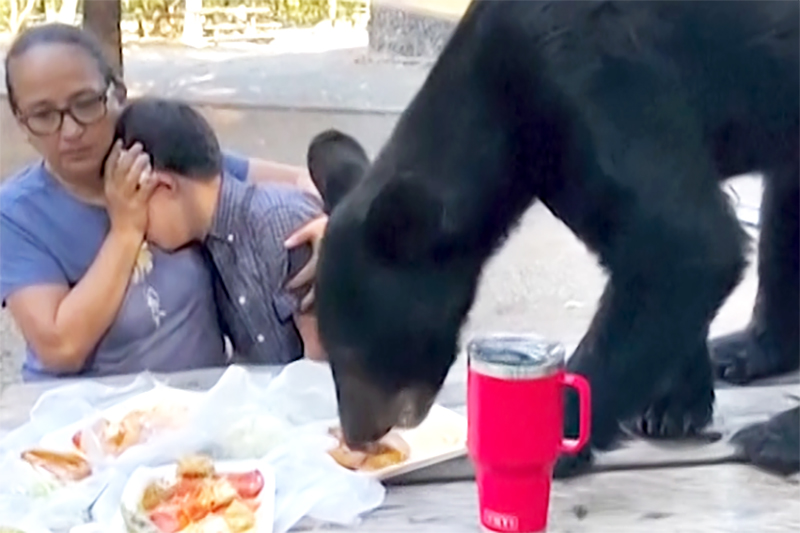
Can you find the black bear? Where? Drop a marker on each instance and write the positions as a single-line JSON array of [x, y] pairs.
[[623, 118]]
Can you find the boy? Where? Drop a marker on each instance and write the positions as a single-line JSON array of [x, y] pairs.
[[242, 228]]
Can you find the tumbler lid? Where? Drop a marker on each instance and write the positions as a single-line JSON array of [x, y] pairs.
[[515, 356]]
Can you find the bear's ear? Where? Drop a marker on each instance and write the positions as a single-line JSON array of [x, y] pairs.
[[404, 221], [337, 163]]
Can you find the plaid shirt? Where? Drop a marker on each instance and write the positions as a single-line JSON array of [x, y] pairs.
[[245, 245]]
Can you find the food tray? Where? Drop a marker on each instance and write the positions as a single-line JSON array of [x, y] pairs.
[[134, 488], [440, 437], [61, 439]]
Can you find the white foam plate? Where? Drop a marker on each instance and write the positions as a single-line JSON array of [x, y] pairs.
[[134, 488], [440, 437]]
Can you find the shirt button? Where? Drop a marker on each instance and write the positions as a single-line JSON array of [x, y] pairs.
[[230, 237], [242, 300], [260, 337]]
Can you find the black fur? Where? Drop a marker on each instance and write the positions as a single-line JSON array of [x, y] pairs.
[[773, 444], [622, 118]]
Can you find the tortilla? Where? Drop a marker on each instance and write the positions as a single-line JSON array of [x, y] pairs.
[[134, 428], [391, 450]]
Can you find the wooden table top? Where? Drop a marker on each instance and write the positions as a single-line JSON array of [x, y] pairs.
[[642, 486]]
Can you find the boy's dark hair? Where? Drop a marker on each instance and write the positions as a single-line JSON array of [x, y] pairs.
[[58, 33], [177, 138]]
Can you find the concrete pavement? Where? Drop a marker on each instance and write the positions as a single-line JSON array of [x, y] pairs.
[[316, 68]]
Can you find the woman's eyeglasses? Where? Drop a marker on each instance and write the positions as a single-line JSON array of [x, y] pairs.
[[85, 110]]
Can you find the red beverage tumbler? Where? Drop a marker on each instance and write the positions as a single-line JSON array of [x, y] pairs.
[[515, 411]]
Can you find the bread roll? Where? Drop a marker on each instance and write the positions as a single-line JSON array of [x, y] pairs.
[[65, 466]]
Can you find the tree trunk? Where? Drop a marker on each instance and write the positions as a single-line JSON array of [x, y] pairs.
[[50, 11], [102, 18], [332, 8], [13, 17], [69, 8], [192, 23], [18, 17]]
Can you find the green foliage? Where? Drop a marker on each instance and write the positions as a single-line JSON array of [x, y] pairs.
[[13, 17], [295, 12], [35, 12], [5, 14], [165, 17]]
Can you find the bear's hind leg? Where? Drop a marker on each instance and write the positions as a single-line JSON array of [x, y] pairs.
[[770, 345]]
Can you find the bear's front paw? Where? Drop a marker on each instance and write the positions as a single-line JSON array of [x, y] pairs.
[[569, 466], [773, 445]]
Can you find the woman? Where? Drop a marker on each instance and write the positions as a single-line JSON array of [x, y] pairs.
[[87, 296]]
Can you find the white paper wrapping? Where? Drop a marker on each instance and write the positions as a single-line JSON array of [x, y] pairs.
[[282, 421]]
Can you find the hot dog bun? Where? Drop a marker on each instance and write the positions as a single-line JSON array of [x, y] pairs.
[[65, 466]]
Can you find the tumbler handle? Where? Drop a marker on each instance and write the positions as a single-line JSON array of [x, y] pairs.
[[581, 385]]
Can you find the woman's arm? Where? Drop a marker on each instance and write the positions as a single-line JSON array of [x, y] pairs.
[[63, 326], [263, 171], [306, 324]]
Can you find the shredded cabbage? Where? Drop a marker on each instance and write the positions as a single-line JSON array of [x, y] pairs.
[[252, 436]]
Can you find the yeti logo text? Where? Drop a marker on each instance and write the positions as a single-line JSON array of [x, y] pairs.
[[499, 521]]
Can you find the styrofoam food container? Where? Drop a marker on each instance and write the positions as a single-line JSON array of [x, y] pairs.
[[142, 476]]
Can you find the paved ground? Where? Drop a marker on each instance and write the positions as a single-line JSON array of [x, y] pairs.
[[543, 280], [317, 68]]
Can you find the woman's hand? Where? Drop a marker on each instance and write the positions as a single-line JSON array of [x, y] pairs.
[[312, 234], [127, 188]]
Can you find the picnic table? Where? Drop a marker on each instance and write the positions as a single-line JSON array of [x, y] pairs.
[[672, 487]]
